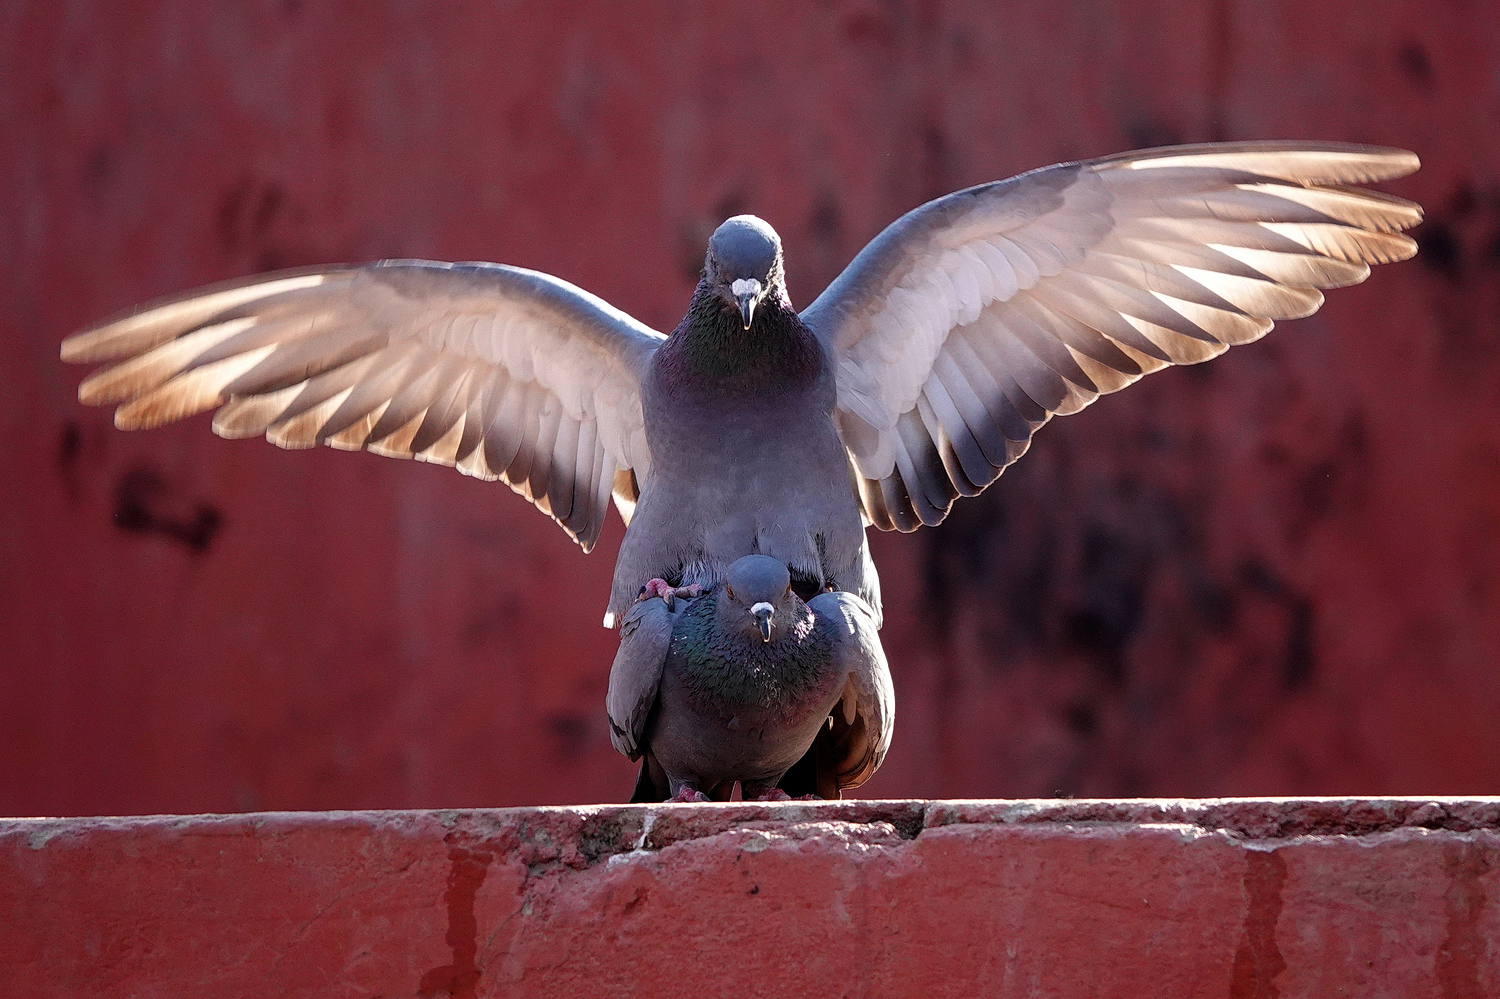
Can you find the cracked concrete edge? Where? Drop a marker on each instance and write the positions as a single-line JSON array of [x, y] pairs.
[[586, 834]]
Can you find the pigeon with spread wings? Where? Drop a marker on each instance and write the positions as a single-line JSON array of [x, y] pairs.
[[915, 378]]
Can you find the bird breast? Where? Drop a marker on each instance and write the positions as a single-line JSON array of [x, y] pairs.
[[738, 674]]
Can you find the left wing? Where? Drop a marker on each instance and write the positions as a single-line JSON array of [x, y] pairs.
[[855, 743], [973, 319]]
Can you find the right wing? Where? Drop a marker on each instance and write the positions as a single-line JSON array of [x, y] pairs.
[[645, 638], [973, 319], [503, 372]]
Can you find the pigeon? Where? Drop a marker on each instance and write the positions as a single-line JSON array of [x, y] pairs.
[[746, 682], [915, 378]]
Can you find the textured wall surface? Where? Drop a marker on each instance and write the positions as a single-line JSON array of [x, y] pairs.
[[1171, 900], [1271, 574]]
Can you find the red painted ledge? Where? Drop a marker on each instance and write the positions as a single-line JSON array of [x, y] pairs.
[[1326, 897]]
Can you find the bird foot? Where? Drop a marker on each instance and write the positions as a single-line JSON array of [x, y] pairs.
[[656, 587], [772, 794], [777, 794], [688, 795]]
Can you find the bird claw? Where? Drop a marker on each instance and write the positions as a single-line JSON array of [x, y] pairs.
[[657, 587], [688, 795]]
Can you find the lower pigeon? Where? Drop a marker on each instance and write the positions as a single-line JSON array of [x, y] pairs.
[[747, 684]]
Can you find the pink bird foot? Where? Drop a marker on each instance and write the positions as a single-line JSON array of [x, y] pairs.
[[661, 588], [777, 794], [688, 795], [772, 794]]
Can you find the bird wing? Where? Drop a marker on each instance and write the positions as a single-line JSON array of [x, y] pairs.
[[865, 716], [645, 638], [503, 372], [973, 319]]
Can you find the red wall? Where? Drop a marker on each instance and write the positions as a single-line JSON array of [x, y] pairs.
[[1273, 574]]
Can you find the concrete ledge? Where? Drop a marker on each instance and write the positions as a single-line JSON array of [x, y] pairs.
[[858, 898]]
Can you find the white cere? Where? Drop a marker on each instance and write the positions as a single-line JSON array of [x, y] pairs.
[[745, 286]]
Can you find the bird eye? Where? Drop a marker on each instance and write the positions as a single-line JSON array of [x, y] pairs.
[[788, 591], [730, 590]]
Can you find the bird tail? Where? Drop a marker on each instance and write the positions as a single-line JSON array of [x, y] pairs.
[[647, 789], [814, 773]]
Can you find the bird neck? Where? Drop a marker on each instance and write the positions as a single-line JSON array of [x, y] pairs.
[[712, 344]]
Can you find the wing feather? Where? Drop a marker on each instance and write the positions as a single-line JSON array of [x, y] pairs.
[[635, 676], [444, 414], [507, 428], [860, 730], [539, 477], [518, 472], [501, 372]]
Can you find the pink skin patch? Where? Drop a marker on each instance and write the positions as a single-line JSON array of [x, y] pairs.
[[688, 795]]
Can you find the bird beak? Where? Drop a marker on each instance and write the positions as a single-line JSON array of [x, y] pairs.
[[746, 293], [763, 612]]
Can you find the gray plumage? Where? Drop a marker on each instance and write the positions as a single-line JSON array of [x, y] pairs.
[[746, 456], [744, 683], [916, 377]]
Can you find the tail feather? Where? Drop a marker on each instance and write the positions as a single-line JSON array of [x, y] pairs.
[[648, 788], [814, 773]]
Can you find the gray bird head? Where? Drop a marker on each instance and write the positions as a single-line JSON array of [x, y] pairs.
[[756, 587], [744, 264]]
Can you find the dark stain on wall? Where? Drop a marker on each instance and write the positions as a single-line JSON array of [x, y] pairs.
[[144, 503], [1439, 248], [1298, 658], [1416, 64]]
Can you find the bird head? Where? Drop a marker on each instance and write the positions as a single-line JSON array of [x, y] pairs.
[[744, 264], [757, 588]]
